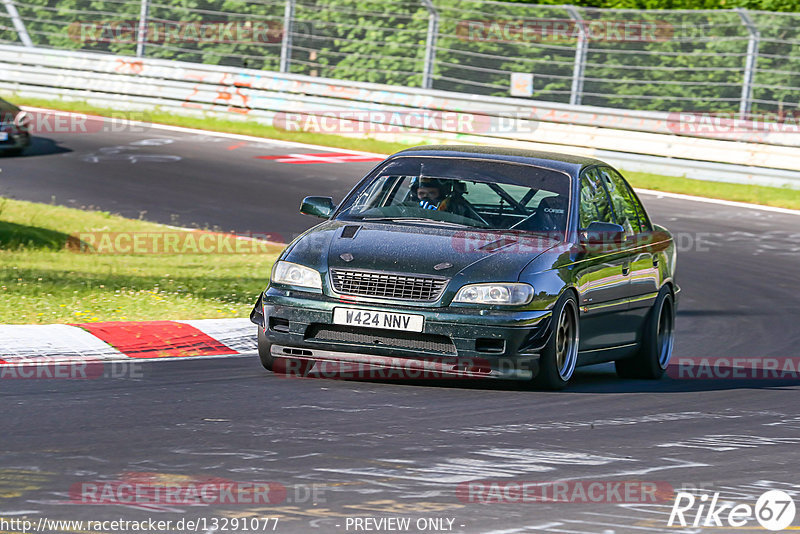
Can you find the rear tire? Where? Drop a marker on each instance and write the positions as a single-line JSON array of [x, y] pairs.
[[560, 355], [655, 351]]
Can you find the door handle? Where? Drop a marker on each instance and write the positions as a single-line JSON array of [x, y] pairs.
[[626, 269]]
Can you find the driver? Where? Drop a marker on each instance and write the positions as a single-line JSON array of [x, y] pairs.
[[435, 194]]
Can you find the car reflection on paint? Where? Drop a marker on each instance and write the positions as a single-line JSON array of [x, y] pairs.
[[475, 262], [14, 134]]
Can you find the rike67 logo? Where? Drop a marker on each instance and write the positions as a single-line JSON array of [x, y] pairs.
[[774, 510]]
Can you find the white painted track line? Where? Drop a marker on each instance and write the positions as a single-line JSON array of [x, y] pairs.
[[720, 202]]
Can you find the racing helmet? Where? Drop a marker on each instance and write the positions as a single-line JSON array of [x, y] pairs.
[[444, 186]]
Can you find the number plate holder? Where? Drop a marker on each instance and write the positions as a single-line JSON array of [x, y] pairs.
[[378, 319]]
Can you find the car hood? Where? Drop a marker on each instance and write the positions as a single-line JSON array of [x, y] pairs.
[[465, 256]]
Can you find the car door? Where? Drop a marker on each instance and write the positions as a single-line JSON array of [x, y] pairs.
[[644, 277], [601, 273]]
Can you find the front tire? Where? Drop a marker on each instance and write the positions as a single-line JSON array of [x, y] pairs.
[[560, 355], [264, 351], [282, 366], [655, 351]]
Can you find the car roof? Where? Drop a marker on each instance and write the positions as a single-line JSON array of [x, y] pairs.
[[550, 160]]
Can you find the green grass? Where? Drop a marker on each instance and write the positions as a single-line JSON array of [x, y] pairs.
[[781, 197], [770, 196], [44, 281]]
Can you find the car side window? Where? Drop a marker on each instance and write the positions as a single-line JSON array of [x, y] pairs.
[[644, 221], [375, 194], [630, 213], [594, 203]]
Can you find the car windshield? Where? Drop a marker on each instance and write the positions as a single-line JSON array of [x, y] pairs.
[[462, 192]]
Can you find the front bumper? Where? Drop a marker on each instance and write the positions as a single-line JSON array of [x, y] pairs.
[[455, 342]]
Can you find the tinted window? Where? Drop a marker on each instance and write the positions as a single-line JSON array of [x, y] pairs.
[[594, 204], [619, 184], [629, 211]]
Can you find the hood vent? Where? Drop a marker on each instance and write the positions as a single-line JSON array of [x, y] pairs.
[[497, 244], [349, 231]]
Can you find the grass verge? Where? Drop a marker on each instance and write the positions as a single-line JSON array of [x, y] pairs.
[[782, 197], [46, 276], [779, 197]]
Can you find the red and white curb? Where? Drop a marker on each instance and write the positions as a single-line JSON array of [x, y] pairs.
[[126, 340]]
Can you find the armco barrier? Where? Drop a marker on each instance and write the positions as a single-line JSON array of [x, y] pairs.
[[645, 141]]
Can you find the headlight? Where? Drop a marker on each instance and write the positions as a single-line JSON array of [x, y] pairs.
[[505, 294], [292, 274]]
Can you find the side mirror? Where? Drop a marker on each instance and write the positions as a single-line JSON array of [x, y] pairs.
[[317, 206], [602, 233]]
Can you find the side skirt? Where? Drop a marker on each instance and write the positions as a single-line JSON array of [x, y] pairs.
[[591, 357]]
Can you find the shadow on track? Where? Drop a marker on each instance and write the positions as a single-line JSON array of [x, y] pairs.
[[41, 146], [594, 379], [723, 313]]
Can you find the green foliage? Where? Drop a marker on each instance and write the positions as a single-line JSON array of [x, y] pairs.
[[364, 40], [692, 59]]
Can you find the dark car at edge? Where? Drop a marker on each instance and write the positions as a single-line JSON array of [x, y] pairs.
[[14, 134], [462, 261]]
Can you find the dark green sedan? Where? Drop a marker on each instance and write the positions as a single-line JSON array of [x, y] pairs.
[[466, 262]]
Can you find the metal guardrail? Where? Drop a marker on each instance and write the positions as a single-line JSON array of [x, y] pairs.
[[644, 141], [732, 60]]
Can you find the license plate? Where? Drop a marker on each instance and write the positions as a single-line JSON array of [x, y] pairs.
[[378, 319], [3, 136]]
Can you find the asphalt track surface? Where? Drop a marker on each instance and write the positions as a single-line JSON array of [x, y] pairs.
[[383, 449]]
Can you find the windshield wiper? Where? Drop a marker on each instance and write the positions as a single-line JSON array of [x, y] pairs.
[[417, 220]]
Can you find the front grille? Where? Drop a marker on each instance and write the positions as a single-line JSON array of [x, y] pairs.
[[387, 285], [381, 338]]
